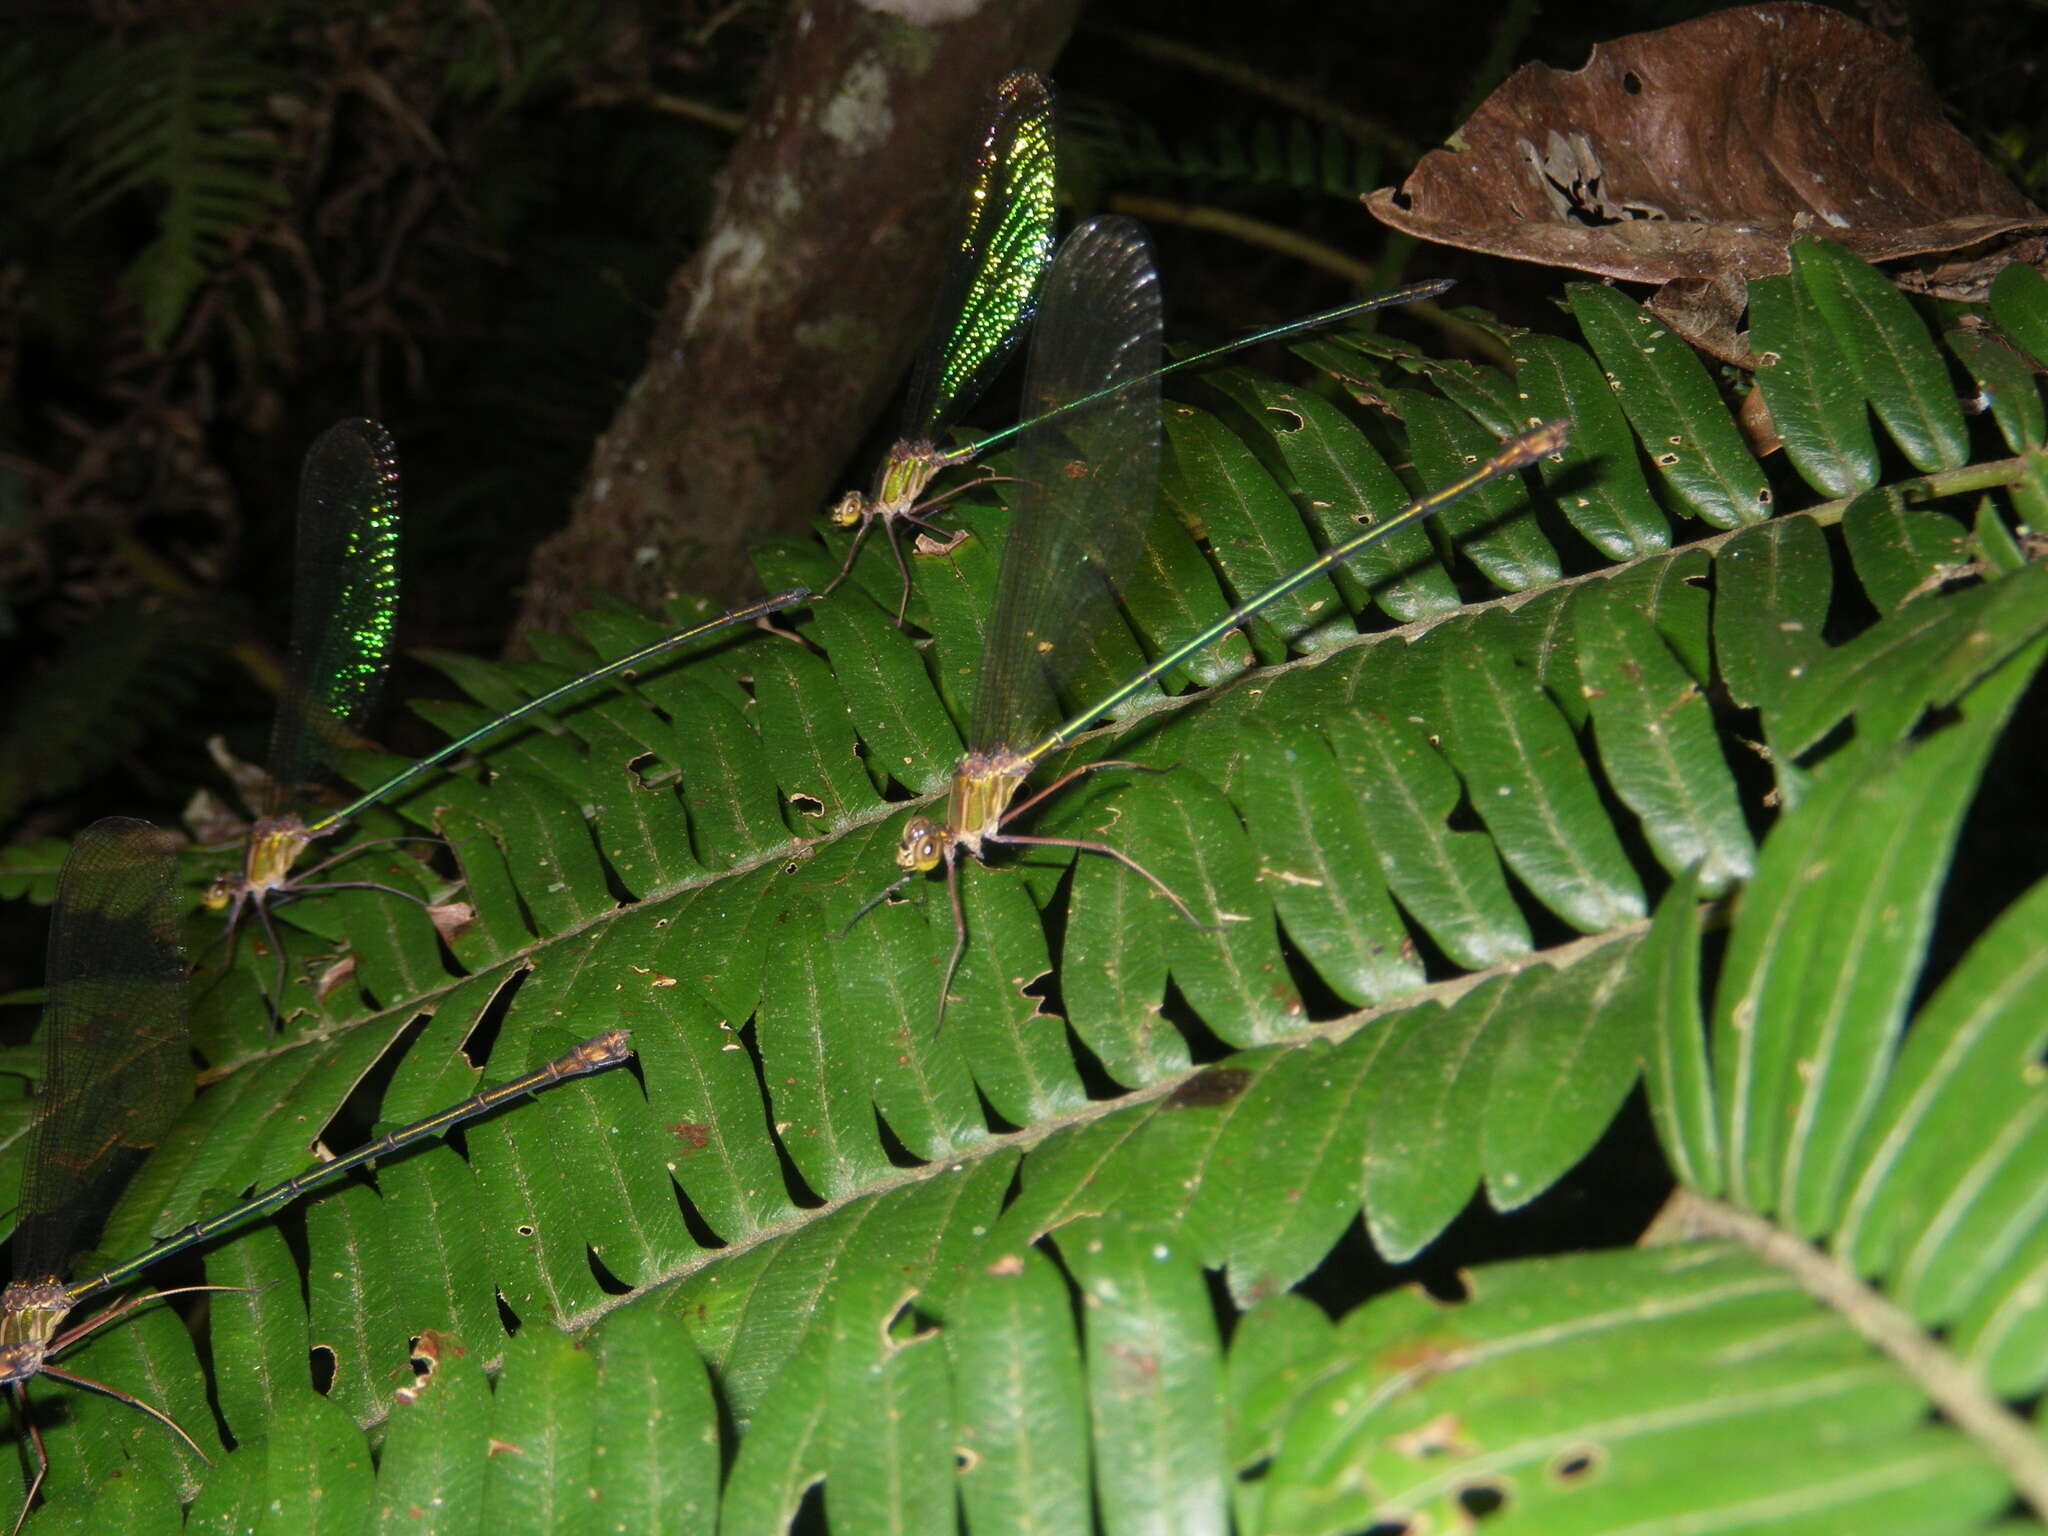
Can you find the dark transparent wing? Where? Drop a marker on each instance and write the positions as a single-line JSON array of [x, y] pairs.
[[118, 1067], [344, 600], [1087, 478], [991, 289]]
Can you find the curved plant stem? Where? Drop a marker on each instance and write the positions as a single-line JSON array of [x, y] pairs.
[[1253, 82], [719, 119], [1953, 1386], [1964, 480], [1255, 232]]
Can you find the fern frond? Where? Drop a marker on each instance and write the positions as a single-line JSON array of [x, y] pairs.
[[180, 122], [1296, 154], [130, 673], [1460, 873]]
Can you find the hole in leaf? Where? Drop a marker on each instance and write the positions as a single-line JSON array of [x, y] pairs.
[[424, 1359], [507, 1316], [909, 1324], [1479, 1500], [1044, 988], [372, 1003], [320, 1362], [1573, 1466]]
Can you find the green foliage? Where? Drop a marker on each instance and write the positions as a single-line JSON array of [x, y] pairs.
[[214, 135], [1296, 153], [230, 225], [1666, 805], [127, 674], [178, 119]]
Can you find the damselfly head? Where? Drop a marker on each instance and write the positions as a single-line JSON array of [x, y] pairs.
[[848, 511], [220, 891], [923, 845]]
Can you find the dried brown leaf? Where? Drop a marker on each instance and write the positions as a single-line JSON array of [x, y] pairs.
[[251, 782], [1699, 152], [334, 977], [212, 822], [451, 919]]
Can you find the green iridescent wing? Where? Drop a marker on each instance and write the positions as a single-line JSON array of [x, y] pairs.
[[1087, 478], [992, 288], [345, 598], [117, 1066], [344, 621]]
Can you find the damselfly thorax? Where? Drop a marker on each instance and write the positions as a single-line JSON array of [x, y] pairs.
[[274, 845], [983, 786]]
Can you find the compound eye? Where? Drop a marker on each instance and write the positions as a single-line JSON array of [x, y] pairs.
[[219, 892], [921, 847], [908, 849], [847, 511]]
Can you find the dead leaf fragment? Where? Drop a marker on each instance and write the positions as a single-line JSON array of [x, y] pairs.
[[451, 919], [1698, 153], [251, 782], [212, 822], [334, 977]]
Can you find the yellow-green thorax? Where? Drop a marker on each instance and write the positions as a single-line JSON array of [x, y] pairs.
[[983, 786], [905, 475], [274, 844], [30, 1312]]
